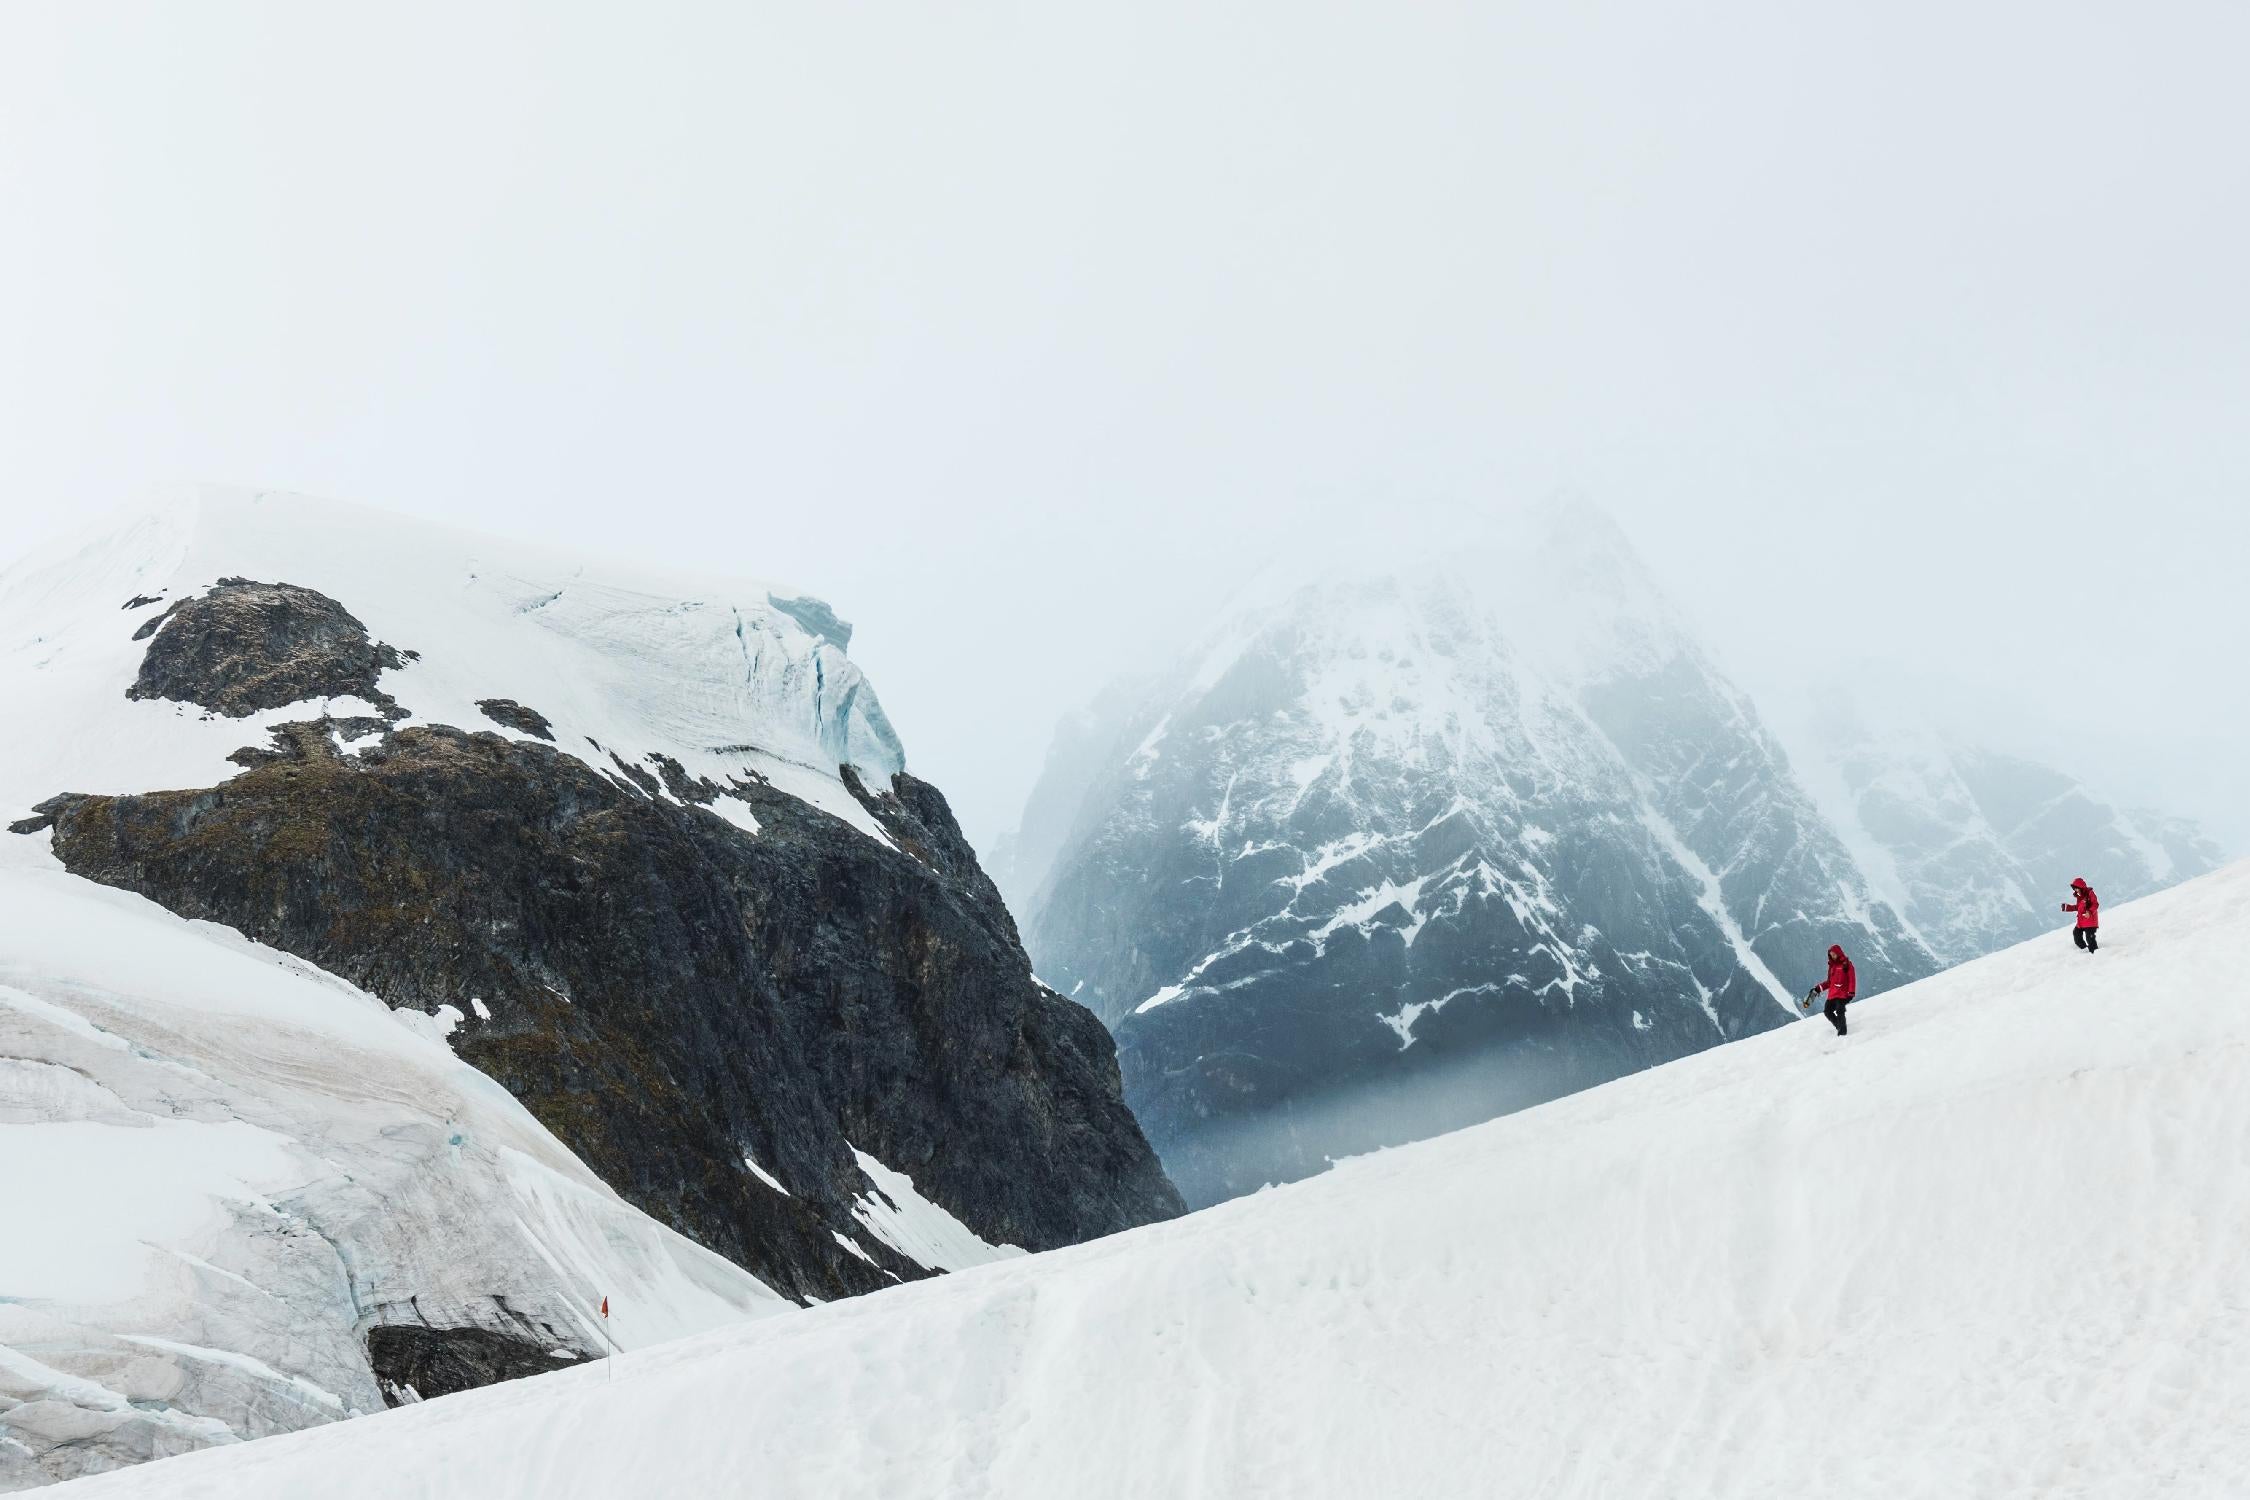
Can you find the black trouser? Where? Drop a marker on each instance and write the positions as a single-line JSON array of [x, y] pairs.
[[2086, 937], [1835, 1014]]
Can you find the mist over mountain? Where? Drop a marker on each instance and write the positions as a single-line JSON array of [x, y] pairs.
[[1427, 836], [1974, 845]]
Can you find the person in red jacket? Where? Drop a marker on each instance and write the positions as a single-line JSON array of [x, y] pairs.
[[2087, 934], [1841, 987]]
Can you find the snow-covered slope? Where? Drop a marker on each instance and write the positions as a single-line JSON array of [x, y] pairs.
[[1991, 1244], [222, 1169], [1398, 850]]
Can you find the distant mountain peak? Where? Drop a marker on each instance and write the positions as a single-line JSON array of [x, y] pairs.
[[1405, 819]]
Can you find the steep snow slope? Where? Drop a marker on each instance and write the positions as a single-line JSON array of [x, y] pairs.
[[1991, 1244], [222, 1169], [1402, 849]]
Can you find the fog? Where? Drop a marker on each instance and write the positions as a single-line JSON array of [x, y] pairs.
[[1910, 339]]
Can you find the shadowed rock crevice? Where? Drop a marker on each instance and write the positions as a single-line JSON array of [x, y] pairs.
[[414, 1363]]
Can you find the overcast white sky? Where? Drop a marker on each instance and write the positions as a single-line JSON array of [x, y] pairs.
[[1912, 333]]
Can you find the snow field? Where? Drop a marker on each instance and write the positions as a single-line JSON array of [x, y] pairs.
[[219, 1165], [1996, 1243]]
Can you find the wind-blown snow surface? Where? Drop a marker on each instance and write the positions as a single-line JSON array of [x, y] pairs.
[[220, 1167], [1991, 1244]]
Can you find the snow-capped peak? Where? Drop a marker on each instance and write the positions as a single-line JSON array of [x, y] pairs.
[[618, 665]]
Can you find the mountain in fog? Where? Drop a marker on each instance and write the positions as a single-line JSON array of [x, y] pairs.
[[1410, 842], [1397, 850]]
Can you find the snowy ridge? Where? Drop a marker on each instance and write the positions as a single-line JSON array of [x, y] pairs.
[[2012, 1265], [722, 675]]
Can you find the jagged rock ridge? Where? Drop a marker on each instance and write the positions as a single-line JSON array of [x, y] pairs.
[[668, 994]]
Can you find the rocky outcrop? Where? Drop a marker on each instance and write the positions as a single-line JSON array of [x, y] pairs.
[[514, 715], [414, 1363], [719, 986], [244, 647], [668, 994]]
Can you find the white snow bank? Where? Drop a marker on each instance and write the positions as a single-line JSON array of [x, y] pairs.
[[924, 1232], [1993, 1243], [219, 1166]]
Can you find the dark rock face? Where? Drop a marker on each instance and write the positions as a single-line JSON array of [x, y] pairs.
[[414, 1363], [245, 647], [515, 716], [1359, 964], [1723, 783], [667, 993]]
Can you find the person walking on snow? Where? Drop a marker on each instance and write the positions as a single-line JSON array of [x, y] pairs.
[[2087, 934], [1841, 987]]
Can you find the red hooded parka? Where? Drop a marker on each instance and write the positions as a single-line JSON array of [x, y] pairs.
[[1843, 982], [2088, 905]]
